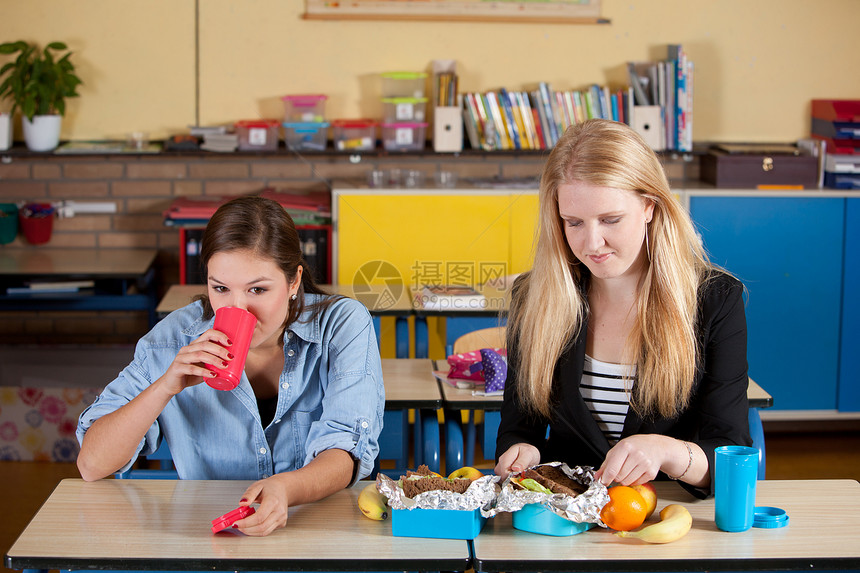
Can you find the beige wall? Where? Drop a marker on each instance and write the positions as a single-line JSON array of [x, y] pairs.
[[758, 62]]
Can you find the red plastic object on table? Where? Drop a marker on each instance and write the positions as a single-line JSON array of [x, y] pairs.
[[227, 520]]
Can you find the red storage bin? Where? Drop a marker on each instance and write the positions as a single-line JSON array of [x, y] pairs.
[[37, 222]]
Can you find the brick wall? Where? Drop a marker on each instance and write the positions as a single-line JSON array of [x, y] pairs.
[[142, 187]]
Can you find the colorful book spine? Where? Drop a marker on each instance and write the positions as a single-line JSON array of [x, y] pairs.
[[522, 103], [546, 101], [510, 120]]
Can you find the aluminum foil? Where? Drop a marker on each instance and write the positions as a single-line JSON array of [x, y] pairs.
[[583, 508], [480, 495]]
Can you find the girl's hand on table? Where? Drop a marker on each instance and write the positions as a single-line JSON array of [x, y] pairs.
[[189, 366], [518, 457], [273, 499]]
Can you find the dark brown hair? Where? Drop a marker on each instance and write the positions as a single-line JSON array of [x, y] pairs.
[[263, 227]]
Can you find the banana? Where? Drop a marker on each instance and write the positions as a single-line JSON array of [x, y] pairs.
[[373, 504], [675, 522]]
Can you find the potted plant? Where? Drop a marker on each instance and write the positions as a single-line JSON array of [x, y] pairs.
[[38, 83]]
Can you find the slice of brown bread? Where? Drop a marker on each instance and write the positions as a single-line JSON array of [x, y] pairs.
[[430, 481], [552, 478]]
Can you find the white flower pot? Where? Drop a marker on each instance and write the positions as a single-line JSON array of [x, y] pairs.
[[5, 131], [43, 133]]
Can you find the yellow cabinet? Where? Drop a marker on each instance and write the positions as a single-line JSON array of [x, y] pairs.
[[442, 236], [431, 236]]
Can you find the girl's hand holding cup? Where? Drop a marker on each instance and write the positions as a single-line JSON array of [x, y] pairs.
[[238, 324]]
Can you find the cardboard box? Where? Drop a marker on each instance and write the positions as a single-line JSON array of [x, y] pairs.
[[437, 523], [759, 167]]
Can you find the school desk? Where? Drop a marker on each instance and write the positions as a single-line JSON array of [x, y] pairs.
[[409, 385], [376, 298], [822, 533], [165, 525], [459, 321], [122, 279]]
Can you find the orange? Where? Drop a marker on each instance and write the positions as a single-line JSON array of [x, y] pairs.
[[626, 509]]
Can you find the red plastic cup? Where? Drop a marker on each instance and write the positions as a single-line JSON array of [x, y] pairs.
[[238, 324]]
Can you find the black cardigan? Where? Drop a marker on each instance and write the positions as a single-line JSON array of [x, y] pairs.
[[718, 410]]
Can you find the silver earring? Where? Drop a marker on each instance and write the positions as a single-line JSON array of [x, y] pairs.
[[294, 297]]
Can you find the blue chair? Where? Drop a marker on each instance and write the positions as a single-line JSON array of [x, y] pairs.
[[757, 434], [164, 471]]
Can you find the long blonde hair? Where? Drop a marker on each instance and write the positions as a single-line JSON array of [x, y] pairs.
[[549, 305]]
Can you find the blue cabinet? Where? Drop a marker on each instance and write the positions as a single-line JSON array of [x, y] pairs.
[[849, 366], [789, 253]]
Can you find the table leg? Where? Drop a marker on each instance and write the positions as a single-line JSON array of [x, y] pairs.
[[492, 419], [401, 334], [422, 339], [470, 440]]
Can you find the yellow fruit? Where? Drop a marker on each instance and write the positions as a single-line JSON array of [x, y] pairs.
[[373, 504], [626, 509], [675, 522], [467, 473]]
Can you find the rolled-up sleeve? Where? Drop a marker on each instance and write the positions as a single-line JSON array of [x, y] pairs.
[[353, 393]]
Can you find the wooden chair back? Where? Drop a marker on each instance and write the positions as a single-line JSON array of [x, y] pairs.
[[484, 338]]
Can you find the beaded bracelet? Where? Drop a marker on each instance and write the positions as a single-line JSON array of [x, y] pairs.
[[689, 463]]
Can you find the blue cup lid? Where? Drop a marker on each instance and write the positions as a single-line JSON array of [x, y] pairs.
[[770, 517]]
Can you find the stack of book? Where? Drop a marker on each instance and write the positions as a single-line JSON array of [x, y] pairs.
[[836, 123], [669, 85], [535, 119], [50, 287], [450, 298], [215, 138]]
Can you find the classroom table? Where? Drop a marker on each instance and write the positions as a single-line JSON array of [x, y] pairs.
[[822, 533], [165, 525], [123, 279], [374, 297], [409, 385], [459, 321]]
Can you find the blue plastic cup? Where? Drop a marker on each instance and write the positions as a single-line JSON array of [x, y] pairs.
[[735, 475]]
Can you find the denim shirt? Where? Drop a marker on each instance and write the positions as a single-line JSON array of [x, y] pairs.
[[330, 395]]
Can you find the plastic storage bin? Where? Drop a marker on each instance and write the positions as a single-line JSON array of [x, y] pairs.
[[304, 108], [37, 222], [306, 136], [404, 136], [258, 135], [8, 222], [437, 523], [535, 518], [404, 109], [403, 84], [354, 134]]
